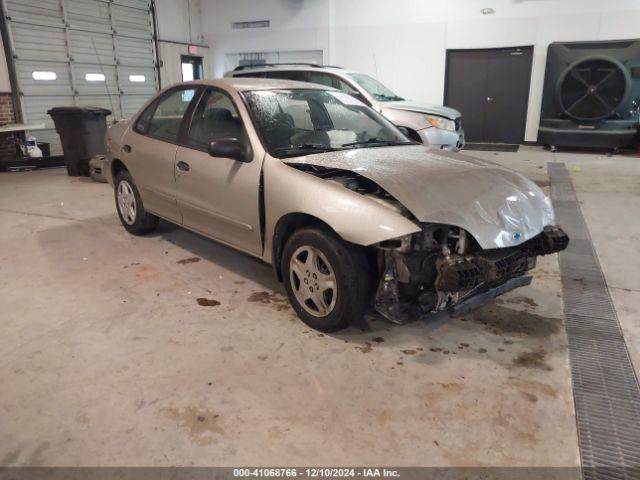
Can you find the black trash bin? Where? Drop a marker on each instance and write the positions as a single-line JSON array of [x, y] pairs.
[[82, 132]]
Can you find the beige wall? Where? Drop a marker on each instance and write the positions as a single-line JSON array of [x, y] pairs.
[[171, 67], [403, 43], [179, 21]]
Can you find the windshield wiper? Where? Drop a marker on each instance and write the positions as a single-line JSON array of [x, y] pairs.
[[375, 141], [307, 146], [388, 98]]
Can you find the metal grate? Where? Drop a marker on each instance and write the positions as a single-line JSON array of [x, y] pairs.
[[605, 386]]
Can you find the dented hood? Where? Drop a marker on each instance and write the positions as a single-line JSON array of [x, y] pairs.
[[421, 107], [498, 206]]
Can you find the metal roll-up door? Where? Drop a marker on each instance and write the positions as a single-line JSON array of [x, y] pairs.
[[81, 52]]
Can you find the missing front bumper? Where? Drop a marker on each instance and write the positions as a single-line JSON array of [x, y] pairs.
[[480, 298], [426, 285], [387, 301]]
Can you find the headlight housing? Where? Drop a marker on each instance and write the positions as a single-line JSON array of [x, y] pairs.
[[441, 123]]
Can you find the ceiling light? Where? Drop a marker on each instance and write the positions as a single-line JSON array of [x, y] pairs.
[[94, 77], [44, 75]]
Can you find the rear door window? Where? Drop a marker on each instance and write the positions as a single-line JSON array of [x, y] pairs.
[[142, 125], [249, 75], [299, 75], [330, 80], [343, 86], [321, 78], [166, 118]]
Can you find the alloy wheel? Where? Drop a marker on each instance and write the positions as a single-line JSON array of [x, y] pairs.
[[126, 202], [313, 281]]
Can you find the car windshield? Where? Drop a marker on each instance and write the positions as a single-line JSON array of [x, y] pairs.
[[298, 122], [374, 87]]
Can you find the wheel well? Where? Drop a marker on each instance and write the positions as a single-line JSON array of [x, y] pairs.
[[285, 227], [116, 167]]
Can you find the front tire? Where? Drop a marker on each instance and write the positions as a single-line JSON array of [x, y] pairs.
[[327, 280], [135, 219]]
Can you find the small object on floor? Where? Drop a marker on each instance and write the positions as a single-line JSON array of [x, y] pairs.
[[22, 168], [31, 148], [95, 168]]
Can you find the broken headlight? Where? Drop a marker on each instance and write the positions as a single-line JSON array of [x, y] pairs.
[[441, 123]]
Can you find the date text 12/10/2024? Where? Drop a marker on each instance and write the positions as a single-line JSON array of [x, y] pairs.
[[316, 472]]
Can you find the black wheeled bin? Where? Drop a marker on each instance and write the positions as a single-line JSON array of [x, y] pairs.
[[82, 132]]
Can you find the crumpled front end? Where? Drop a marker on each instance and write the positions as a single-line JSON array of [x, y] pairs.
[[443, 269], [482, 226], [497, 206]]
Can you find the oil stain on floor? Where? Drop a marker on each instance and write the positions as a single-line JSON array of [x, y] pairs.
[[185, 261], [533, 359], [145, 272], [366, 348], [504, 321], [526, 301], [201, 425], [207, 302], [277, 300]]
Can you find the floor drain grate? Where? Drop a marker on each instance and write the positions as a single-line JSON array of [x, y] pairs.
[[605, 386]]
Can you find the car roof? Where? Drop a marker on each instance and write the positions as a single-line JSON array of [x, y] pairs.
[[253, 83], [290, 67]]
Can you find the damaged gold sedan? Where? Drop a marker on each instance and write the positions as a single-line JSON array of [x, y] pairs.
[[349, 211]]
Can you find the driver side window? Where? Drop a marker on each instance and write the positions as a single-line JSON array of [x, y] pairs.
[[215, 117]]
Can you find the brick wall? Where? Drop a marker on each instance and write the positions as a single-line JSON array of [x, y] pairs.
[[7, 140]]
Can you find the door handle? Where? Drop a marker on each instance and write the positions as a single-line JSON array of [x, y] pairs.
[[489, 99], [183, 166], [126, 148]]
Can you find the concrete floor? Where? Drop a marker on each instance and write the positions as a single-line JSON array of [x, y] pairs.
[[608, 189], [108, 359]]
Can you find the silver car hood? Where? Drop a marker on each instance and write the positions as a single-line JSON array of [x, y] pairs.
[[499, 207], [421, 107]]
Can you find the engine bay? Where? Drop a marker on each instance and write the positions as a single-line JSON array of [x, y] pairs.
[[443, 266]]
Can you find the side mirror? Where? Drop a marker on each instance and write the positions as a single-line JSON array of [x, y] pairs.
[[405, 131], [230, 148]]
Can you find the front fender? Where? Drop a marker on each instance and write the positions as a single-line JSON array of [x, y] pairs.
[[356, 218], [414, 120]]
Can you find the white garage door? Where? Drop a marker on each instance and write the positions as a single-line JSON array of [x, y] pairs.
[[81, 52]]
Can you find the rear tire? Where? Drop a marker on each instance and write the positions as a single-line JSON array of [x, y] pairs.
[[327, 280], [135, 219]]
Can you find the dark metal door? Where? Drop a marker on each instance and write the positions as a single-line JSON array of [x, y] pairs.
[[491, 89], [466, 89]]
